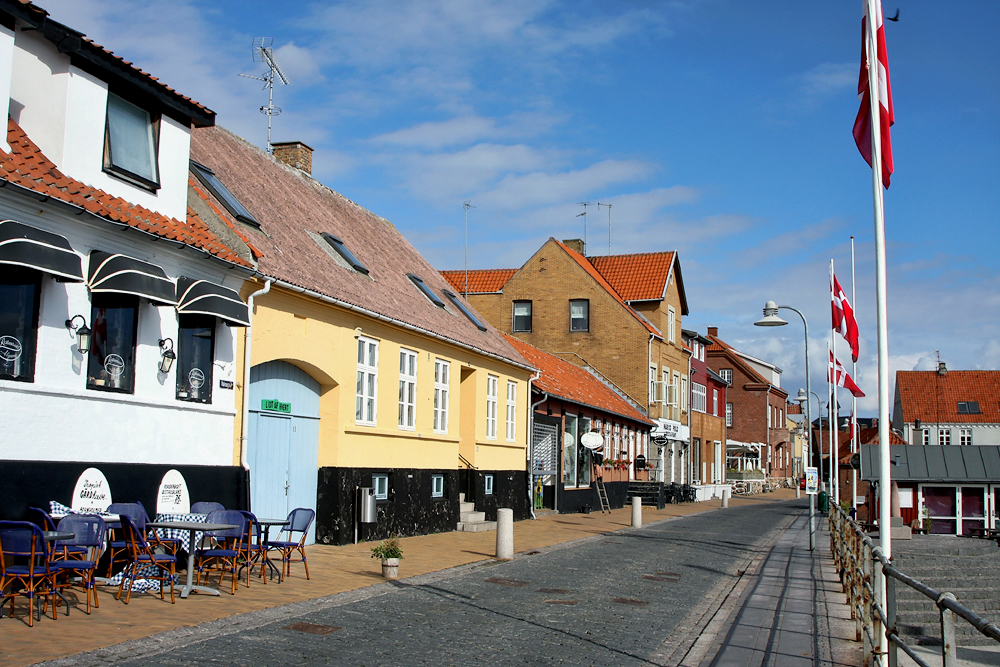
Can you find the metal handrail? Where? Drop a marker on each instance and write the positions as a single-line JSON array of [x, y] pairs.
[[855, 555]]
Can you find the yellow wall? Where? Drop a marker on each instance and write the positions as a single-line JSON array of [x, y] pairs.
[[322, 340]]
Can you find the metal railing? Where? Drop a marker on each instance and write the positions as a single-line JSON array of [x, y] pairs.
[[863, 567]]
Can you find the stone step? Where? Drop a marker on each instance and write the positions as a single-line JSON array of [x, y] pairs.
[[472, 517], [466, 507], [476, 527]]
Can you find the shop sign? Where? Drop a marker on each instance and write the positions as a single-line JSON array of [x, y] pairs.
[[812, 481], [173, 497], [225, 384], [592, 440], [275, 405], [92, 492]]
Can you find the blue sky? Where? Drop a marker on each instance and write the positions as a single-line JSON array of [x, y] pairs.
[[717, 128]]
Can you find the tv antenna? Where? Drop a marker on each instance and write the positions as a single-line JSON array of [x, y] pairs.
[[467, 205], [263, 53], [599, 205], [583, 215]]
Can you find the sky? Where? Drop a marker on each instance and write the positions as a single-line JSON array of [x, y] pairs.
[[717, 128]]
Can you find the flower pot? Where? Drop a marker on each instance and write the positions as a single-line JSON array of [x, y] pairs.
[[390, 568]]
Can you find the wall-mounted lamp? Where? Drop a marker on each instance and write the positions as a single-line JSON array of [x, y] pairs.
[[83, 333], [167, 355]]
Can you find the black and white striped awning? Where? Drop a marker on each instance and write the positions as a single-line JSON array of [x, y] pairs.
[[121, 274], [23, 245], [201, 297]]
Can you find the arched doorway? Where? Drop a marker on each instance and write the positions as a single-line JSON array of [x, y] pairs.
[[283, 443]]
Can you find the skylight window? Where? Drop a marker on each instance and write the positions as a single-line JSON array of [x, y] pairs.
[[968, 408], [465, 311], [344, 252], [422, 286], [222, 193]]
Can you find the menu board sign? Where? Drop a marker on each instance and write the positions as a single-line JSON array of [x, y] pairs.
[[173, 497], [92, 492]]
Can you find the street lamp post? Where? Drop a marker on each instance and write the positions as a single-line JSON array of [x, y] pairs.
[[771, 319]]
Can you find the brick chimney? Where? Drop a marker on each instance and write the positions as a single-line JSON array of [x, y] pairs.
[[294, 154], [942, 369], [713, 331], [576, 244]]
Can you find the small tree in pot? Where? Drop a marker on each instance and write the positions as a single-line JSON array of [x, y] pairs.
[[389, 552]]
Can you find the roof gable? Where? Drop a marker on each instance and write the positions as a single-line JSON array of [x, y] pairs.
[[480, 281], [642, 276], [933, 398]]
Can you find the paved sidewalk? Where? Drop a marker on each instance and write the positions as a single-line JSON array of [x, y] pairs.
[[793, 610]]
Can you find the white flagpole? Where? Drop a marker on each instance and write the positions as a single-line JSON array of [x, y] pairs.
[[854, 400], [831, 379], [835, 414], [884, 483]]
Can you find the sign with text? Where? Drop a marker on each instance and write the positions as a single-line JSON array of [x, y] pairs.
[[92, 492], [812, 481], [173, 497], [275, 405]]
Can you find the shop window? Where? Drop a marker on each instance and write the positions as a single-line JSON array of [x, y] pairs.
[[380, 483], [195, 357], [114, 319], [522, 316], [488, 485], [130, 143], [19, 298], [579, 315], [437, 486]]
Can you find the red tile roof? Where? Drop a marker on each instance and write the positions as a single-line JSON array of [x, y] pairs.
[[28, 167], [869, 436], [602, 281], [481, 281], [934, 398], [573, 383], [641, 277]]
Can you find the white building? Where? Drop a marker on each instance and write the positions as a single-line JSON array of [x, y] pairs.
[[945, 407]]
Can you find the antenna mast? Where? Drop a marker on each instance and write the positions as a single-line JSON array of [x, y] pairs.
[[263, 53], [599, 205], [467, 205], [583, 215]]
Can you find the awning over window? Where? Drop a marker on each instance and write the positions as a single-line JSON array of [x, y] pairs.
[[200, 297], [121, 274], [23, 245]]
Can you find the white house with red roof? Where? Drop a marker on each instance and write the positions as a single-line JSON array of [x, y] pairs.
[[119, 303], [947, 407]]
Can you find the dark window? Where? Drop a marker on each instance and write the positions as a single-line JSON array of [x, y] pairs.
[[111, 366], [465, 311], [522, 316], [422, 286], [344, 252], [130, 143], [19, 293], [222, 193], [579, 315], [968, 408], [195, 354]]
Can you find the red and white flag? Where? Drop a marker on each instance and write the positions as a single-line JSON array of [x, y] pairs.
[[843, 318], [839, 376], [863, 122]]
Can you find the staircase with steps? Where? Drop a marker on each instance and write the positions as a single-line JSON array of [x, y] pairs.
[[471, 521], [966, 567]]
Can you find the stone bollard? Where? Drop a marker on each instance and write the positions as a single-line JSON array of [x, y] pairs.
[[725, 497], [636, 511], [505, 533], [798, 491]]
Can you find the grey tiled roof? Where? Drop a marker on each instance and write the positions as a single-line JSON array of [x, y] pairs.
[[935, 463]]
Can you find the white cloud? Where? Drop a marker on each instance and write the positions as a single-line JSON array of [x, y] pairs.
[[514, 192], [829, 79]]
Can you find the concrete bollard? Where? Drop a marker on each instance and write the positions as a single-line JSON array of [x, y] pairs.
[[636, 511], [505, 533], [798, 491], [725, 498]]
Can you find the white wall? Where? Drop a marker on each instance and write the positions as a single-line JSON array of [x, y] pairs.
[[56, 418], [63, 110], [6, 68]]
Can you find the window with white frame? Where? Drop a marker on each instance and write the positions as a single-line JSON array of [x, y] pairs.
[[676, 390], [684, 393], [492, 387], [926, 436], [965, 436], [729, 414], [665, 396], [380, 482], [727, 375], [442, 370], [715, 401], [698, 397], [944, 436], [407, 389], [130, 143], [770, 409], [511, 411], [652, 383], [671, 323], [367, 388], [437, 486], [488, 485]]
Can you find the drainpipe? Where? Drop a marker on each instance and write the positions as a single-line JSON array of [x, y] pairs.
[[691, 425], [767, 430], [247, 340], [531, 430]]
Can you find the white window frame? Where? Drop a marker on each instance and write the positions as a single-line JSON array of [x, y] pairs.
[[488, 485], [671, 324], [442, 377], [684, 393], [729, 415], [926, 437], [653, 396], [727, 375], [492, 388], [944, 436], [380, 483], [407, 390], [366, 390], [675, 390], [699, 397], [511, 411], [437, 486], [965, 437], [715, 401]]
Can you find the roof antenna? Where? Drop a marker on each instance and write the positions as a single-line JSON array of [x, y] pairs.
[[263, 53], [599, 205], [467, 205], [584, 204]]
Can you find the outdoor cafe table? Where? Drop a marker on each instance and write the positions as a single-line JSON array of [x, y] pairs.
[[267, 523], [55, 536], [192, 527]]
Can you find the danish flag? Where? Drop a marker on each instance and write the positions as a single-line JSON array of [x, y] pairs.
[[863, 122], [843, 318], [840, 377]]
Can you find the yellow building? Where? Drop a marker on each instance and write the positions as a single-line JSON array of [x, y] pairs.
[[365, 369]]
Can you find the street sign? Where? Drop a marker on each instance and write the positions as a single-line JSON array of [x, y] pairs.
[[812, 481]]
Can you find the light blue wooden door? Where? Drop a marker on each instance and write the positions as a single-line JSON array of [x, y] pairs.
[[283, 443]]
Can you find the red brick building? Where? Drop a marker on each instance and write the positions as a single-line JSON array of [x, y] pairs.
[[708, 414]]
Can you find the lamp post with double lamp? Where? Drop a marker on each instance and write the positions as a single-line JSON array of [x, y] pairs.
[[771, 319]]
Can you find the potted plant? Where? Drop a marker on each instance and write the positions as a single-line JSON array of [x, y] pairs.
[[389, 552]]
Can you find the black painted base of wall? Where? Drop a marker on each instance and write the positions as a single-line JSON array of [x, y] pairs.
[[409, 509], [572, 501], [25, 484]]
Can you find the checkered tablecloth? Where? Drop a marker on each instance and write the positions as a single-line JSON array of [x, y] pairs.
[[140, 584], [58, 509], [183, 535]]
